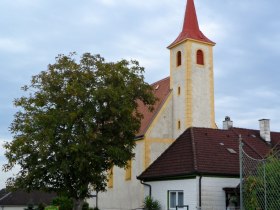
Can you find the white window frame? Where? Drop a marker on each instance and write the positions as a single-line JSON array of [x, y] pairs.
[[177, 198]]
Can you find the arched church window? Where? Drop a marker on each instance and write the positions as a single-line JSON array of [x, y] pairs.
[[179, 58], [200, 57]]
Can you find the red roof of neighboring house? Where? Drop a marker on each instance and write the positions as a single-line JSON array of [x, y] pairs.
[[191, 27], [161, 91], [207, 151]]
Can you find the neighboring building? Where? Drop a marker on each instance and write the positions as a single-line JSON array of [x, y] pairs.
[[20, 200], [202, 156], [201, 168]]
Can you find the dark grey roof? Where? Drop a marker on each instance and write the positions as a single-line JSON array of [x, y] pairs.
[[21, 197]]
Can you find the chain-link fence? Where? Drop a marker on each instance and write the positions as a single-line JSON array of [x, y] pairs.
[[260, 182]]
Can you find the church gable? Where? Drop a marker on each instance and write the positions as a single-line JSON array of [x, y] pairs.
[[161, 91]]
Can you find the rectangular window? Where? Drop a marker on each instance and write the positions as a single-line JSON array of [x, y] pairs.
[[179, 90], [176, 198], [179, 124]]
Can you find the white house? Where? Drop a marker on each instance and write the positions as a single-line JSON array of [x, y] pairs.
[[201, 168]]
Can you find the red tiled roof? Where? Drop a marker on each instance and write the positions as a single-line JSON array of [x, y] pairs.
[[275, 140], [191, 27], [205, 151], [161, 91]]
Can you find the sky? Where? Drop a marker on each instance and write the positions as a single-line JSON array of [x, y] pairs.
[[246, 55]]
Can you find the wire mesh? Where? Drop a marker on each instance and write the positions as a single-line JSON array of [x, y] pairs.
[[260, 182]]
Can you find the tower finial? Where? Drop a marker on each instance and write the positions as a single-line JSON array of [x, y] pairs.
[[190, 27]]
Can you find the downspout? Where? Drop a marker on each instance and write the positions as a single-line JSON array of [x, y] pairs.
[[150, 188], [200, 177]]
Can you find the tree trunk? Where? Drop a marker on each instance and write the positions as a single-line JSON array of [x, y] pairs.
[[78, 203]]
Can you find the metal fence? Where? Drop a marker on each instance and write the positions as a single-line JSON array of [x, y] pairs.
[[259, 182]]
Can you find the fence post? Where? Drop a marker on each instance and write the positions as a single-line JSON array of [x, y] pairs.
[[241, 171], [265, 186]]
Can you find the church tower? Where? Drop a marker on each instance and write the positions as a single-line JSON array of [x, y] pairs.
[[191, 76]]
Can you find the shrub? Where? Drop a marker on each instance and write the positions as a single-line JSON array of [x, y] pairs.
[[63, 202], [151, 204], [85, 206]]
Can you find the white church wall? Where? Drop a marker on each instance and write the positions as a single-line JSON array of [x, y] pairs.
[[178, 79], [161, 128], [201, 88], [125, 194]]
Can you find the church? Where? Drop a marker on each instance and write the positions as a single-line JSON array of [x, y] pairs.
[[181, 157]]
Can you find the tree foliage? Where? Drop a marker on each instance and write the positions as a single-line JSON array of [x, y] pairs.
[[76, 120], [261, 190]]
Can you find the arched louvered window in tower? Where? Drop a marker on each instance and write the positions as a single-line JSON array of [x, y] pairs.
[[200, 57], [179, 58]]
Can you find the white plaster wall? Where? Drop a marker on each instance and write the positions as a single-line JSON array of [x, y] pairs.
[[163, 128], [157, 149], [125, 194], [213, 195], [189, 186], [201, 88], [178, 75]]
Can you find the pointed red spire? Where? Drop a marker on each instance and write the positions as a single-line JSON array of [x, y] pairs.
[[190, 28]]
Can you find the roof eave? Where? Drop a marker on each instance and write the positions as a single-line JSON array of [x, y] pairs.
[[187, 175]]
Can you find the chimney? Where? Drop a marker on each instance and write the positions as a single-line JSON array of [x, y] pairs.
[[227, 124], [265, 129]]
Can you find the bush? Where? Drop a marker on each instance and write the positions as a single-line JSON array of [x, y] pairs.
[[41, 206], [63, 202], [151, 204], [85, 206], [30, 206]]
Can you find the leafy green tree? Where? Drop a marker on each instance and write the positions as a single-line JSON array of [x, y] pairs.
[[75, 121]]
